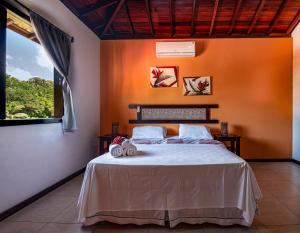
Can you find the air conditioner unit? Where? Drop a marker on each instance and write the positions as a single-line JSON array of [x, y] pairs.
[[175, 49]]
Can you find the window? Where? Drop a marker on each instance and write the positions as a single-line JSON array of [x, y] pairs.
[[29, 85]]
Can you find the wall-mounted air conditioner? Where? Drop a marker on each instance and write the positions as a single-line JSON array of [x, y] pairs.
[[175, 49]]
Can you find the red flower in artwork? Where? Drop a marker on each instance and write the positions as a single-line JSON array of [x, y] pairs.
[[157, 73], [194, 86], [202, 85]]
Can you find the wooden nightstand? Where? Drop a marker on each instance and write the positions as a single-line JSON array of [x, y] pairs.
[[105, 141], [233, 140]]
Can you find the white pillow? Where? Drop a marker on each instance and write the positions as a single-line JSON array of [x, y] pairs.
[[149, 132], [194, 132]]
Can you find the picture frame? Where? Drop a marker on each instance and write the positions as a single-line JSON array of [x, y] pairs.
[[197, 85], [163, 76]]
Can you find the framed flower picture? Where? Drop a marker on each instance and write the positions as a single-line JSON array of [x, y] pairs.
[[163, 76], [196, 86]]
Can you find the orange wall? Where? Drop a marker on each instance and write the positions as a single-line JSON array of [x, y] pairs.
[[251, 82]]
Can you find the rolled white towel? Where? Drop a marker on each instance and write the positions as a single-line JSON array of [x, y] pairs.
[[125, 143], [129, 150], [116, 150]]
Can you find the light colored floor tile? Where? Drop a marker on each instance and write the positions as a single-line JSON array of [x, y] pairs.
[[20, 227], [279, 219], [114, 228], [65, 228], [283, 189], [71, 189], [160, 229], [69, 215], [279, 229], [229, 229], [188, 228], [181, 228], [281, 193], [273, 206], [44, 210], [266, 194], [293, 204]]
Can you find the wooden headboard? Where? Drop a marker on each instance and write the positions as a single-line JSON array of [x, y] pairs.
[[173, 114]]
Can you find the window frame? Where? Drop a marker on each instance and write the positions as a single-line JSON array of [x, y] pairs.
[[58, 97]]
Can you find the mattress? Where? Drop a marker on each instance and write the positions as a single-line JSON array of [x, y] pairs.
[[191, 183]]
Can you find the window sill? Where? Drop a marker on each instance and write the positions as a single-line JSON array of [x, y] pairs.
[[29, 121]]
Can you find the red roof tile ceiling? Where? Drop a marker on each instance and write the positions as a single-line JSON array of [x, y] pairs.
[[129, 19]]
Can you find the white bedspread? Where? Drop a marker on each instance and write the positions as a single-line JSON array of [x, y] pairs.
[[169, 177]]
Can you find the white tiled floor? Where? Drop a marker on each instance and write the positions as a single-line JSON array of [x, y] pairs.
[[280, 209]]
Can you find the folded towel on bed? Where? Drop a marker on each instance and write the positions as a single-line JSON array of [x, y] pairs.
[[125, 142], [129, 149], [116, 150], [122, 147]]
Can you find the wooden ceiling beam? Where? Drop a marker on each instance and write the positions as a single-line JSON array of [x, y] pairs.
[[194, 15], [111, 30], [293, 23], [276, 17], [172, 16], [96, 6], [76, 12], [213, 17], [235, 15], [256, 16], [149, 15], [120, 4], [188, 27], [99, 26], [120, 36], [129, 18]]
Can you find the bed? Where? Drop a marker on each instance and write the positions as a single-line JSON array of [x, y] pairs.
[[174, 182], [189, 178]]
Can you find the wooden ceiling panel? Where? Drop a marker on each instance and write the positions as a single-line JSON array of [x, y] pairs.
[[79, 4], [160, 11], [247, 11], [95, 17], [127, 19], [224, 15], [225, 10], [284, 21], [121, 27], [269, 11], [137, 10], [183, 10], [205, 11]]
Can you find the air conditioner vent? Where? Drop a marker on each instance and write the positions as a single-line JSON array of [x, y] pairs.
[[175, 49]]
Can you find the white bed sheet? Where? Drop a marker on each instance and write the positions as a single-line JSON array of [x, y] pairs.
[[170, 177]]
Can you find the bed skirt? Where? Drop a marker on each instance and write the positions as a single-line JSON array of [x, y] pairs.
[[190, 183], [224, 217]]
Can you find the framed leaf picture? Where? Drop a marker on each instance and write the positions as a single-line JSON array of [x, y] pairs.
[[163, 76], [196, 85]]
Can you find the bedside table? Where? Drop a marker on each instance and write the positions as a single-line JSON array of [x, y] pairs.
[[234, 141], [105, 141]]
